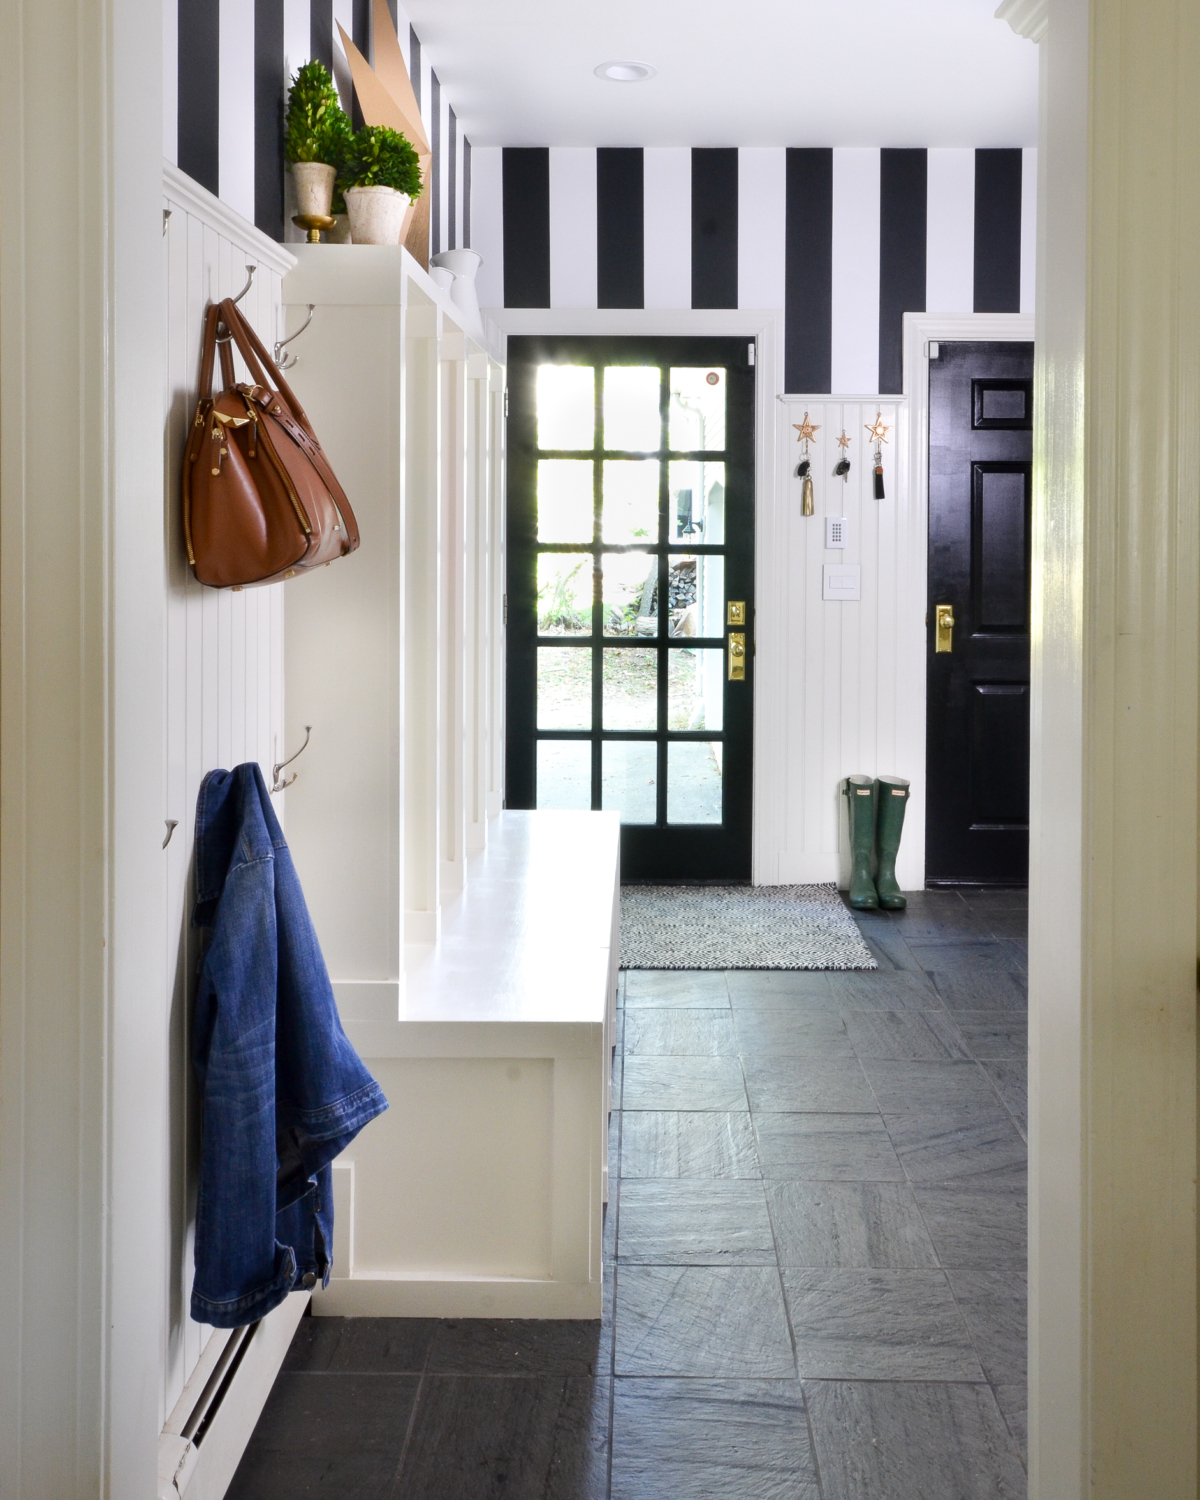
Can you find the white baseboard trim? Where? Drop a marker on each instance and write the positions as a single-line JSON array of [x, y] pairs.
[[485, 1297]]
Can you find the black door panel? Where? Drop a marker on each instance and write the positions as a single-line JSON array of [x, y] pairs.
[[980, 449]]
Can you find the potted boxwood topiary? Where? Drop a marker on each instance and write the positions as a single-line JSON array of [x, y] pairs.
[[382, 177], [317, 140]]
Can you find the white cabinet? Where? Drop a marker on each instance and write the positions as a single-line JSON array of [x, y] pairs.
[[472, 952]]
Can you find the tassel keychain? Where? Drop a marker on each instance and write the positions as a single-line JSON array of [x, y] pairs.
[[878, 430], [807, 431]]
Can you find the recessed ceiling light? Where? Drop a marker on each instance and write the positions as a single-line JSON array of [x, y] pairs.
[[625, 72]]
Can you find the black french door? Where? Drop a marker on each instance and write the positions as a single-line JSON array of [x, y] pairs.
[[630, 593], [980, 511]]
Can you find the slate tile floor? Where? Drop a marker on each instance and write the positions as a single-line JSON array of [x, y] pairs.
[[815, 1262]]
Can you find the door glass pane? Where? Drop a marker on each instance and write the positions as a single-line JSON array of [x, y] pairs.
[[564, 688], [629, 772], [564, 593], [697, 595], [696, 420], [564, 774], [630, 506], [564, 500], [631, 418], [696, 508], [696, 688], [629, 589], [694, 781], [566, 406], [630, 688]]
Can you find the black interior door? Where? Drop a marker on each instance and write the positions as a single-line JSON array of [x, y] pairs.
[[980, 451], [630, 592]]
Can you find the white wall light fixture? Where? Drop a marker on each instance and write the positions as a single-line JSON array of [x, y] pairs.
[[625, 72]]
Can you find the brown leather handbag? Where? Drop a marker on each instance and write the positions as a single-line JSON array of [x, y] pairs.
[[260, 502]]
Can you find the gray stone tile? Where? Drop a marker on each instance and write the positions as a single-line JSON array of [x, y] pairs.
[[335, 1433], [791, 1033], [672, 1032], [973, 976], [395, 1346], [691, 1221], [1019, 949], [912, 1441], [827, 1147], [877, 1325], [683, 1083], [887, 946], [698, 1439], [930, 916], [905, 1085], [978, 1223], [618, 1078], [811, 1084], [1006, 923], [985, 899], [689, 988], [947, 1144], [1013, 1401], [840, 1225], [712, 1321], [766, 988], [515, 1346], [896, 989], [685, 1143], [992, 1300], [1009, 1075], [921, 1035], [992, 1033], [528, 1438]]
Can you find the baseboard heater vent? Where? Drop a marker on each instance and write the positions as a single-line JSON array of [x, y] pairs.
[[202, 1443]]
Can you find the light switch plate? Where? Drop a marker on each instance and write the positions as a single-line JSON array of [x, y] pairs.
[[841, 581], [835, 531]]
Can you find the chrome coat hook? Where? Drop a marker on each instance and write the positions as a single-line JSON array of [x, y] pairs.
[[172, 825], [281, 344], [223, 334], [278, 786]]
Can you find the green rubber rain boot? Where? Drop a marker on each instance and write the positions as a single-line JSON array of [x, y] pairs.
[[891, 793], [861, 792]]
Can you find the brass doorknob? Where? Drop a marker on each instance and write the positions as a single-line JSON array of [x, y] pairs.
[[737, 656], [944, 628]]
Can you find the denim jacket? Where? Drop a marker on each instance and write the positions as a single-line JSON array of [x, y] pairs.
[[282, 1089]]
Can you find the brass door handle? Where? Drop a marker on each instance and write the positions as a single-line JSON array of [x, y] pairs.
[[944, 627], [737, 656]]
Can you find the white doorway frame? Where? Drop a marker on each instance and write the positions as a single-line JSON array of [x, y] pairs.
[[770, 595]]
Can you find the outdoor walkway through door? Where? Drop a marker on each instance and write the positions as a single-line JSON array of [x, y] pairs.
[[631, 593]]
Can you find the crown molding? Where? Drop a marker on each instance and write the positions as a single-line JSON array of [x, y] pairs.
[[1028, 18], [186, 193]]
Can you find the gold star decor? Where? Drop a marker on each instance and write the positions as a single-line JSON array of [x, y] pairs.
[[878, 429], [806, 429], [844, 440]]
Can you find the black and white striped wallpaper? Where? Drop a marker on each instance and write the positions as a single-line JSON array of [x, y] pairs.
[[226, 67], [844, 240]]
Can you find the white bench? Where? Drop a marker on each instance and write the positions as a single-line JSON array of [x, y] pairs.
[[480, 1192]]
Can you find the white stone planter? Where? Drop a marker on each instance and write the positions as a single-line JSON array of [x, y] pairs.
[[465, 264], [376, 214], [314, 186]]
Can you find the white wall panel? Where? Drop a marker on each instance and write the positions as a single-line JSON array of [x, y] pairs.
[[668, 226], [846, 673], [855, 292], [572, 226], [762, 225], [950, 232], [224, 684], [236, 119], [487, 222]]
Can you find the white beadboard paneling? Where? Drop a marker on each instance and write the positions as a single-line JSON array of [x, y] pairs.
[[572, 226], [1028, 228], [235, 131], [950, 231], [846, 673], [487, 222], [668, 226], [855, 290], [762, 225], [224, 675]]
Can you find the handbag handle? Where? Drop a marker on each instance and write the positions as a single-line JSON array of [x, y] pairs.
[[212, 322]]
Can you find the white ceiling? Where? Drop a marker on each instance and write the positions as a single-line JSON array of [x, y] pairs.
[[750, 73]]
